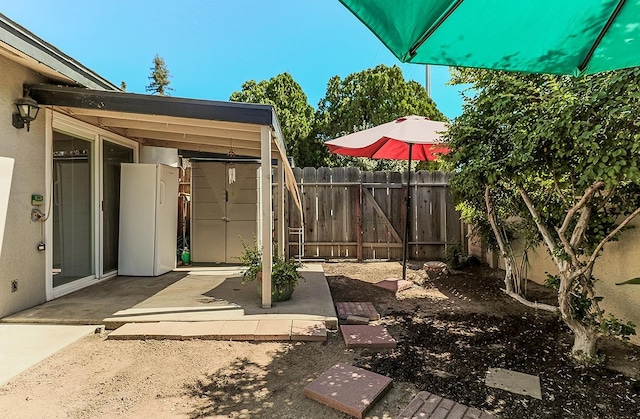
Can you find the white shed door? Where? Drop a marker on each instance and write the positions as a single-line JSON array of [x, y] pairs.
[[224, 210]]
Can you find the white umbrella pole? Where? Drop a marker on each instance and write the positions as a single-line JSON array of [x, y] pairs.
[[405, 244]]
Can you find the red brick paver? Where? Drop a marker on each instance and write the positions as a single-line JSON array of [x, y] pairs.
[[365, 336], [429, 406], [348, 389], [360, 309]]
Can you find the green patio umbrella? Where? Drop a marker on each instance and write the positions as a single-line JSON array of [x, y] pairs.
[[543, 36]]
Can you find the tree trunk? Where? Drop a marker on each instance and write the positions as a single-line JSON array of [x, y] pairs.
[[508, 258], [585, 336]]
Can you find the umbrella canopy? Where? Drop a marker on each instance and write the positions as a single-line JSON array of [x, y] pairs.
[[392, 140], [411, 137], [543, 36]]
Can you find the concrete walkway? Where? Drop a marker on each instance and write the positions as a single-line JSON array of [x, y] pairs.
[[24, 345]]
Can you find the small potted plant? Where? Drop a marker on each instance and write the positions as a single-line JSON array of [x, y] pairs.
[[284, 272]]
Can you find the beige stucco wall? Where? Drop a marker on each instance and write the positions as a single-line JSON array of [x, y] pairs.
[[19, 259], [619, 262]]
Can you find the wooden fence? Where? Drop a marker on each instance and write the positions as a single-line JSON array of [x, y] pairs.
[[349, 213]]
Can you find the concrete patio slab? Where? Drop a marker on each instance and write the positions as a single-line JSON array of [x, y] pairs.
[[308, 330], [365, 336], [360, 309], [429, 406], [515, 382], [204, 294], [273, 330], [25, 345], [348, 389]]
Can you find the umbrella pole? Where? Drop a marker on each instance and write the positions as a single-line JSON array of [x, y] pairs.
[[405, 243]]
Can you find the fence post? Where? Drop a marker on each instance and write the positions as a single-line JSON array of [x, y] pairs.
[[359, 224]]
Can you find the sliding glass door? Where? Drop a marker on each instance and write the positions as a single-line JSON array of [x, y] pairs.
[[113, 156], [73, 221], [85, 219]]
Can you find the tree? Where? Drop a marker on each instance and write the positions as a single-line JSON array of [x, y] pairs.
[[568, 148], [366, 99], [294, 113], [123, 86], [160, 77]]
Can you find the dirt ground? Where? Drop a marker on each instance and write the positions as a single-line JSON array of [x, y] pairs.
[[449, 331]]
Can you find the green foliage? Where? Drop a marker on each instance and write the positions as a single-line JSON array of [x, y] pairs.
[[284, 272], [294, 113], [365, 99], [160, 77], [614, 327], [454, 256], [571, 146], [552, 281]]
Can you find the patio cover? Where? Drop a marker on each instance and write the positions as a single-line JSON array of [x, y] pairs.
[[165, 121]]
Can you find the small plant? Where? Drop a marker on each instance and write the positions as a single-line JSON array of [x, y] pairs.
[[454, 256], [284, 272]]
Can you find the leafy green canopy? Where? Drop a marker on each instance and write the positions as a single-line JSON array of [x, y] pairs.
[[565, 152], [294, 113], [368, 98]]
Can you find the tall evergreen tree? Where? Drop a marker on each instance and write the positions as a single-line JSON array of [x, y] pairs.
[[160, 77]]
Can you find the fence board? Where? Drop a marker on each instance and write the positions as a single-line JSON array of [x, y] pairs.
[[354, 213], [325, 214], [396, 212], [338, 198], [309, 198]]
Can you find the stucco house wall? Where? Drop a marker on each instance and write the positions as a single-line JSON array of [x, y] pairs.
[[619, 262], [20, 260]]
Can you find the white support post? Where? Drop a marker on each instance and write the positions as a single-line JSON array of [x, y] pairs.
[[266, 214], [282, 225]]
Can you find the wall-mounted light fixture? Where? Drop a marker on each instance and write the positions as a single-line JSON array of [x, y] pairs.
[[27, 111]]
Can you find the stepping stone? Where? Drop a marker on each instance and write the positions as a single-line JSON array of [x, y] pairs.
[[373, 337], [356, 320], [269, 330], [348, 389], [426, 405], [203, 330], [515, 382], [394, 284], [157, 331], [308, 330], [359, 309], [239, 330]]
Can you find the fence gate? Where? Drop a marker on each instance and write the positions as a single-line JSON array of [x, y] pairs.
[[354, 214]]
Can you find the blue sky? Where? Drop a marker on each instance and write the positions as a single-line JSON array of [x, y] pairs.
[[212, 46]]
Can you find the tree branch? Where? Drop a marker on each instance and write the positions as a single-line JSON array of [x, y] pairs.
[[546, 234], [604, 241], [588, 194], [536, 305]]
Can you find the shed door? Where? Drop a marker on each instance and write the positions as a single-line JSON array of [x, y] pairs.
[[224, 210]]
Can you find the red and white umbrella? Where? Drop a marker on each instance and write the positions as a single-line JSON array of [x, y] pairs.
[[409, 138], [394, 140]]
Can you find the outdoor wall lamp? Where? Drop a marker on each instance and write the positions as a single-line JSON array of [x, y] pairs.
[[27, 111]]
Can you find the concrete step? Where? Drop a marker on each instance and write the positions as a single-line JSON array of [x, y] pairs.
[[246, 330]]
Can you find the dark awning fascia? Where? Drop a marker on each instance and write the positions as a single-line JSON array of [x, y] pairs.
[[77, 97]]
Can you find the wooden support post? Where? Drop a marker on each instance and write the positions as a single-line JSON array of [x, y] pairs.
[[282, 226], [265, 214]]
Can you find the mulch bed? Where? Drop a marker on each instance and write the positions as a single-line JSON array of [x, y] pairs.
[[446, 346]]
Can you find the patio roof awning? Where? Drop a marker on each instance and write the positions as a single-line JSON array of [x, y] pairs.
[[165, 121]]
